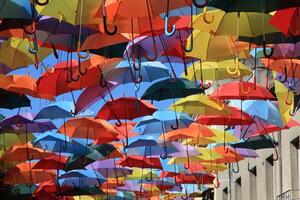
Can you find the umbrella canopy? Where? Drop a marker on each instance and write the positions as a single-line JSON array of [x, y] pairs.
[[51, 162], [260, 142], [56, 111], [243, 91], [125, 108], [12, 100], [141, 162], [167, 89]]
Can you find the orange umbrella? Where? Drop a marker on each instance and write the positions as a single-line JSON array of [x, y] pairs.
[[24, 174], [21, 153], [89, 128], [21, 84], [288, 67], [195, 130], [229, 155]]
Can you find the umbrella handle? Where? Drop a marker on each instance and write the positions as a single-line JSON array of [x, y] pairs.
[[149, 179], [287, 101], [200, 5], [82, 73], [237, 170], [284, 74], [54, 51], [176, 125], [38, 2], [70, 78], [245, 91], [83, 56], [190, 48], [237, 68], [134, 79], [185, 197], [102, 82], [205, 19], [218, 182], [32, 30], [276, 155], [207, 86], [169, 34], [164, 157], [265, 50], [114, 31], [293, 113], [249, 170]]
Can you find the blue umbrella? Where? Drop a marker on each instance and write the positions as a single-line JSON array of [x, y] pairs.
[[56, 110], [15, 9], [56, 142], [261, 109], [148, 72], [162, 122], [81, 178]]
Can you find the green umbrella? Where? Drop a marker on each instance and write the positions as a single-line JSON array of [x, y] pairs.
[[82, 191], [11, 100], [260, 142], [80, 161], [171, 89], [104, 149]]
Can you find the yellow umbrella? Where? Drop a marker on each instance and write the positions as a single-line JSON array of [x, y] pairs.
[[217, 138], [141, 174], [208, 47], [200, 104], [215, 70], [285, 101], [247, 24], [14, 53], [72, 11]]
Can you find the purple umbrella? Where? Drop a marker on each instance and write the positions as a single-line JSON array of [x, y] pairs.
[[286, 50], [24, 123], [132, 186], [290, 82], [92, 94], [247, 153]]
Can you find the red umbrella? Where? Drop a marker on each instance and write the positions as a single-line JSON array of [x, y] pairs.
[[125, 108], [141, 162], [243, 91], [47, 191], [183, 178], [287, 21], [236, 117], [51, 162]]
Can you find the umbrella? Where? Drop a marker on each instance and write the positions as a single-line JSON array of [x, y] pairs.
[[242, 90], [286, 50], [249, 24], [56, 111], [286, 21], [90, 95], [170, 89], [265, 6], [287, 67], [215, 70], [125, 108], [236, 117], [141, 162], [51, 162], [148, 72], [21, 153], [12, 100], [89, 128], [260, 142], [262, 109], [200, 104]]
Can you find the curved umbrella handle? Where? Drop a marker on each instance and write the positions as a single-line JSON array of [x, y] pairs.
[[265, 50], [248, 167], [185, 197], [293, 113], [169, 34], [32, 30], [200, 5], [283, 80], [206, 86], [114, 31], [102, 82], [244, 91], [82, 73], [154, 47], [134, 79], [237, 68], [164, 157], [276, 155], [191, 47], [218, 182], [176, 125], [71, 78], [83, 56], [205, 19], [237, 170], [38, 2], [149, 179]]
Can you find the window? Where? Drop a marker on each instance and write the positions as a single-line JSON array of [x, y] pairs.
[[225, 194], [270, 178], [253, 190], [295, 167], [238, 189]]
